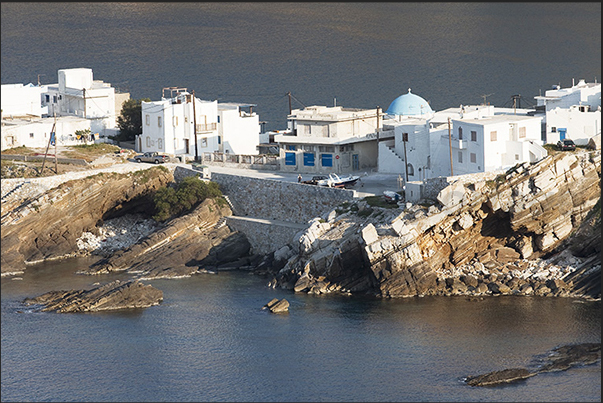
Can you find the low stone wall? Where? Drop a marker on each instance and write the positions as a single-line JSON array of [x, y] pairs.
[[263, 237], [40, 158], [431, 187]]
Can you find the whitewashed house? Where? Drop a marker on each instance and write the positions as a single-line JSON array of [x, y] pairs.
[[168, 126], [76, 104], [572, 113], [78, 94], [324, 140]]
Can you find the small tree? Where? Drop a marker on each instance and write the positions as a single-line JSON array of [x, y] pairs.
[[130, 119]]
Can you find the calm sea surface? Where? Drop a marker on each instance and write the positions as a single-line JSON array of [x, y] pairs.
[[209, 340]]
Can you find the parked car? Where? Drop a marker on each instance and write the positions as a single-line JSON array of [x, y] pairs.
[[152, 157], [566, 145]]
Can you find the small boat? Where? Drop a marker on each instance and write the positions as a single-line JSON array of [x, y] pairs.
[[336, 181], [390, 196]]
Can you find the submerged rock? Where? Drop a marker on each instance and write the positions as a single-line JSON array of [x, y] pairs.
[[500, 377], [111, 296], [559, 359]]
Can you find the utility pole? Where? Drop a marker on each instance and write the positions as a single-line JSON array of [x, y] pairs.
[[404, 140], [48, 145], [450, 147], [54, 135], [195, 128]]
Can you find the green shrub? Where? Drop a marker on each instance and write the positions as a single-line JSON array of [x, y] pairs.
[[171, 201]]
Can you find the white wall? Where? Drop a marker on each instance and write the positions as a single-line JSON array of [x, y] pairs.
[[581, 126], [20, 100], [35, 134], [240, 131]]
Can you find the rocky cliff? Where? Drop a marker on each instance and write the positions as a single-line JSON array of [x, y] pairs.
[[480, 238], [47, 226]]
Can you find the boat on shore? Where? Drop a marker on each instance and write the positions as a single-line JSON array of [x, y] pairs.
[[336, 181]]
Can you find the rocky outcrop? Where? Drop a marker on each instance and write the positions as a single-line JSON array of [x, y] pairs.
[[559, 359], [277, 306], [183, 247], [48, 226], [112, 296], [480, 238]]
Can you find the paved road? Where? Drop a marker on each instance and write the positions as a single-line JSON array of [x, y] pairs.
[[370, 184]]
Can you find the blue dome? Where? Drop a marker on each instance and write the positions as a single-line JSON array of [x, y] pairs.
[[409, 105]]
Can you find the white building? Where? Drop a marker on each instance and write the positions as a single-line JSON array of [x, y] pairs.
[[20, 100], [573, 113], [78, 94], [35, 132], [468, 139], [168, 126], [323, 139], [79, 102]]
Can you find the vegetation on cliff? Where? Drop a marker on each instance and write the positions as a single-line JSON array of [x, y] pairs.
[[172, 201]]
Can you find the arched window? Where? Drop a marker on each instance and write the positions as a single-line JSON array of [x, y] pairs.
[[411, 170]]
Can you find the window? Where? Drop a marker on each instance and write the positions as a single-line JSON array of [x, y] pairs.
[[218, 118], [175, 120], [473, 135], [219, 139], [290, 159], [522, 132], [328, 149], [308, 148], [411, 170], [47, 98], [291, 147], [203, 141], [309, 159], [460, 156], [148, 141], [54, 99], [159, 121], [160, 144], [553, 129], [493, 136], [147, 120], [460, 133], [326, 160], [516, 157], [31, 135], [473, 158]]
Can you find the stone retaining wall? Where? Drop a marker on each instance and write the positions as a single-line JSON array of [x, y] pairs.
[[273, 199], [263, 237]]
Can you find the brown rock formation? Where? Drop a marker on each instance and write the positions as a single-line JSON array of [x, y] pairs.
[[47, 227], [112, 296], [487, 227], [182, 247]]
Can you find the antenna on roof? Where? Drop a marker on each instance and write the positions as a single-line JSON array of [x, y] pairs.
[[485, 96]]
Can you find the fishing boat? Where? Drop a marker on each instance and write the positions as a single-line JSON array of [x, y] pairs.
[[336, 181]]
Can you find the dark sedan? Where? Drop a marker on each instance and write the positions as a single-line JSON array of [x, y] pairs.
[[566, 145]]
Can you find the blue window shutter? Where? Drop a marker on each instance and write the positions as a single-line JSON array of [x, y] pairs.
[[309, 159], [327, 160]]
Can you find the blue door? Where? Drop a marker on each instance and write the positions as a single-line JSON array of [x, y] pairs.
[[561, 133]]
